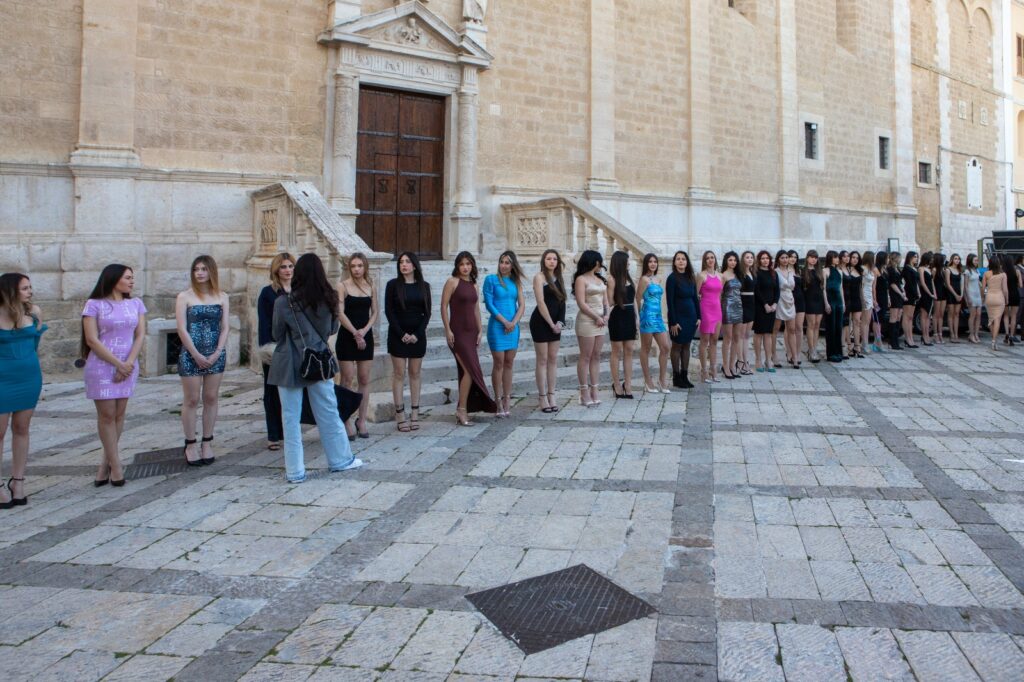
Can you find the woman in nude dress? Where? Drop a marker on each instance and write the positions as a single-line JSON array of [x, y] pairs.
[[996, 295]]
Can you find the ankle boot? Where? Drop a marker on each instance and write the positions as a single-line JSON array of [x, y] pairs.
[[894, 335], [677, 379]]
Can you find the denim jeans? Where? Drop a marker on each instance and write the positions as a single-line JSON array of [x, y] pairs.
[[332, 432]]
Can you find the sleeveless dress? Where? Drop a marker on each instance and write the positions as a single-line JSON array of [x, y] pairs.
[[733, 301], [594, 296], [622, 319], [357, 310], [941, 292], [1013, 291], [882, 291], [995, 302], [21, 377], [410, 318], [956, 287], [651, 321], [798, 292], [896, 291], [710, 304], [501, 300], [540, 332], [867, 290], [925, 301], [116, 322], [786, 310], [851, 292], [683, 306], [462, 321], [203, 325], [972, 290], [814, 295], [747, 294]]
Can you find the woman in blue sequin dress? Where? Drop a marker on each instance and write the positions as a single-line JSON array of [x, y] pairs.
[[202, 315], [652, 325]]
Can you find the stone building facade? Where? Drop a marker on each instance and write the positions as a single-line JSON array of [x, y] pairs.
[[141, 130]]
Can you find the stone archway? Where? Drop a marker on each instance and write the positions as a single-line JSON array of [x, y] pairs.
[[407, 48]]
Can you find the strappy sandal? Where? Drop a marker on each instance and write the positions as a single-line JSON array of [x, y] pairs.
[[16, 501], [361, 434], [184, 452], [414, 422], [552, 406], [462, 417], [204, 460], [400, 412], [274, 445]]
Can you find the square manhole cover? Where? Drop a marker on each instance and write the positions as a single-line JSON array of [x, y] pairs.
[[156, 463], [543, 612]]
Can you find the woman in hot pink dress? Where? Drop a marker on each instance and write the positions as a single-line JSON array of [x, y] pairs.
[[709, 285], [113, 329]]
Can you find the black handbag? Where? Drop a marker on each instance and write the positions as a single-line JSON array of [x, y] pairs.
[[348, 404], [316, 365]]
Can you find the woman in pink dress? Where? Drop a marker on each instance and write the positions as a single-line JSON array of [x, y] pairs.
[[709, 284], [113, 329]]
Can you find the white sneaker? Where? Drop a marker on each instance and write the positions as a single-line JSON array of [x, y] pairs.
[[354, 464]]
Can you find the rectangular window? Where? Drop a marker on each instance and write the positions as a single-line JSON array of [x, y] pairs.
[[1020, 56], [883, 153], [924, 173], [810, 140]]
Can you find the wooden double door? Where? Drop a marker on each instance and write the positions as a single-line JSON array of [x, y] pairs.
[[400, 171]]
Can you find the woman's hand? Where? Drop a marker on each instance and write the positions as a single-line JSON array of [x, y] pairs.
[[557, 327], [450, 337], [412, 338], [212, 359], [828, 308], [200, 360], [509, 327], [360, 342], [478, 337], [676, 329]]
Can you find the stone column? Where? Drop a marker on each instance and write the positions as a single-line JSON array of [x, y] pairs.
[[904, 158], [465, 217], [789, 120], [699, 142], [602, 97], [343, 149], [106, 120]]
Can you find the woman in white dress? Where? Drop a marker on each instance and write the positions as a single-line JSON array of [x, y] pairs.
[[785, 313], [869, 314]]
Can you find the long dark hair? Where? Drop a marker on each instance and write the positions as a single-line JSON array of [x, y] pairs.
[[757, 261], [725, 262], [687, 272], [10, 298], [881, 260], [464, 255], [926, 260], [588, 259], [829, 257], [796, 262], [1010, 270], [911, 255], [972, 262], [417, 276], [555, 280], [959, 266], [646, 271], [859, 267], [310, 287], [939, 263], [995, 265], [105, 285], [805, 276], [619, 268]]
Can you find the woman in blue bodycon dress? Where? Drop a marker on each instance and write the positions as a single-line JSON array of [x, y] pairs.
[[503, 296], [652, 325], [202, 315], [21, 379]]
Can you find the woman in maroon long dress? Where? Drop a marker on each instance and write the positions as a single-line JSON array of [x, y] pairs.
[[460, 313]]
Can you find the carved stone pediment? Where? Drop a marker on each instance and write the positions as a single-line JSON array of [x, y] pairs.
[[409, 28]]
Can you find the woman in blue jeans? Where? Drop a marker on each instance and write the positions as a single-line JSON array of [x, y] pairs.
[[305, 318]]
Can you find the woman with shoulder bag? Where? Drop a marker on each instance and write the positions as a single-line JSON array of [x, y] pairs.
[[302, 359]]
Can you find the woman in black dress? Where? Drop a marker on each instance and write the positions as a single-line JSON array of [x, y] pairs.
[[1014, 282], [926, 301], [407, 307], [766, 299], [546, 324], [683, 308], [622, 324], [745, 271], [941, 294], [813, 287], [880, 313], [357, 312], [853, 281], [912, 294], [282, 267], [897, 299], [953, 278]]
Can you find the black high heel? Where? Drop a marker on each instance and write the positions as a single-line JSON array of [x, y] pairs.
[[203, 460], [616, 393], [184, 453], [16, 501], [361, 434]]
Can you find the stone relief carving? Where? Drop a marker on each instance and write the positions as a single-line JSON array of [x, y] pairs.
[[409, 68], [409, 33], [532, 232], [268, 227], [474, 11]]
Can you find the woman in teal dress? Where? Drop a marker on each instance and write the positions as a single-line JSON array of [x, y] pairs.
[[652, 325], [503, 296], [21, 378]]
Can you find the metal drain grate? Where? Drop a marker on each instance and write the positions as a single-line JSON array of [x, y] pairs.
[[543, 612], [156, 463]]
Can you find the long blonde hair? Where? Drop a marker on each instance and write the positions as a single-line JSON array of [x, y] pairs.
[[360, 256], [211, 268], [275, 265]]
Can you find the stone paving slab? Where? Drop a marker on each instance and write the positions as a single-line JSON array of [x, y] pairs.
[[815, 524]]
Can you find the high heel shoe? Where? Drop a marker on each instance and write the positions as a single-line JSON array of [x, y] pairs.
[[663, 388], [16, 501], [593, 390], [205, 460], [414, 417], [184, 453], [462, 417], [616, 393], [362, 433], [585, 400], [551, 402]]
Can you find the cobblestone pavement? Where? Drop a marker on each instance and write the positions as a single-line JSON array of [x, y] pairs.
[[855, 522]]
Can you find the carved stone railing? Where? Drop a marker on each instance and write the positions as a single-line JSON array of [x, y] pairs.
[[570, 225], [295, 217]]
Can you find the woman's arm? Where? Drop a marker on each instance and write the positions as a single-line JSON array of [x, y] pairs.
[[92, 339], [374, 311], [489, 294], [520, 305], [342, 317], [670, 300], [225, 329], [421, 330], [579, 290], [181, 318], [479, 324], [446, 297], [538, 295], [391, 305]]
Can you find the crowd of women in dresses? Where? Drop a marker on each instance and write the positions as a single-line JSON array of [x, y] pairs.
[[864, 300]]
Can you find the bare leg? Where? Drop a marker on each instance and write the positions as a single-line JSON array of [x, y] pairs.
[[627, 366], [348, 372], [398, 380], [924, 323], [595, 368], [4, 421], [19, 449], [908, 324], [540, 372], [497, 377], [415, 372], [664, 349], [758, 344], [645, 358], [106, 424], [506, 379], [191, 389], [713, 352], [614, 359], [583, 366], [940, 317], [552, 365], [363, 368], [727, 348], [211, 406]]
